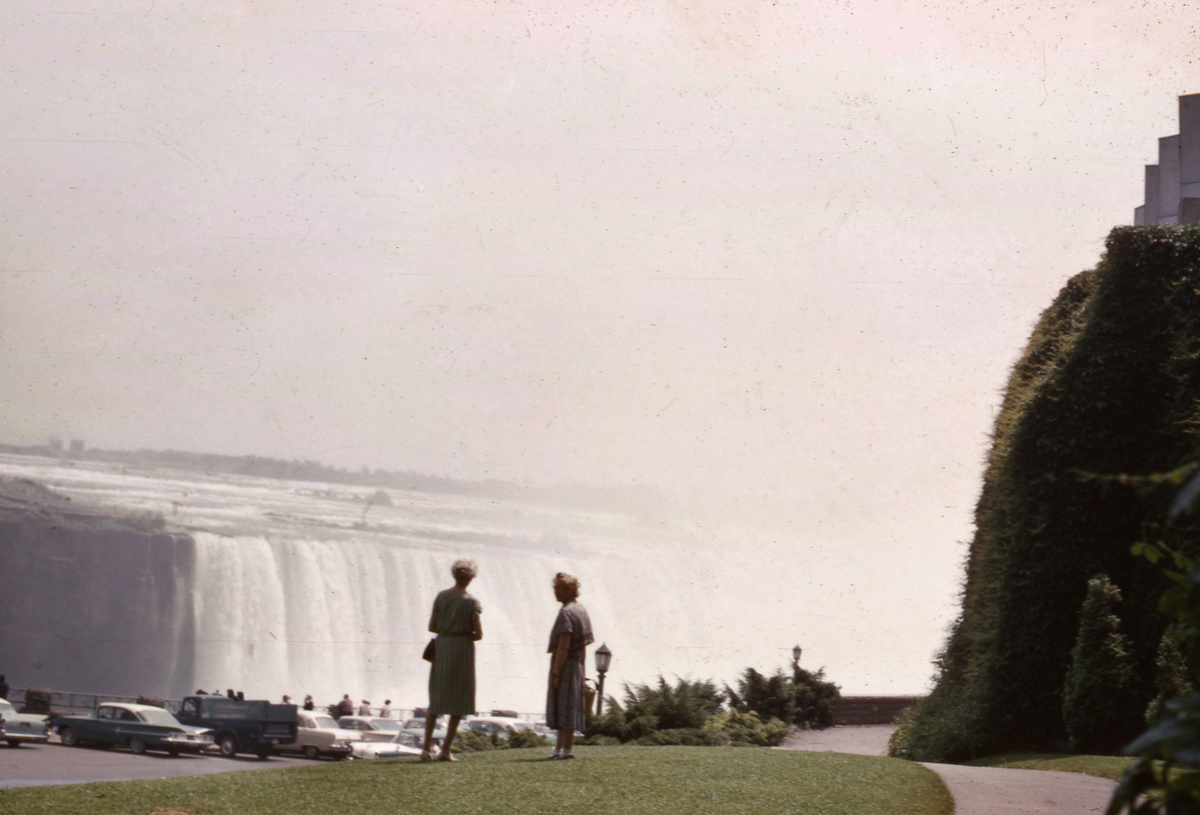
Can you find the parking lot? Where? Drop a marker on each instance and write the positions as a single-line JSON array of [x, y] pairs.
[[52, 763]]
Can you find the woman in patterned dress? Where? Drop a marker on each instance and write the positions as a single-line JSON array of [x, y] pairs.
[[455, 620], [566, 709]]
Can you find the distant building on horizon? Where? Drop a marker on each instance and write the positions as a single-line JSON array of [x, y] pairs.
[[1173, 185]]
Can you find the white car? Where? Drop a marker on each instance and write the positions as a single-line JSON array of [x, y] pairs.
[[318, 735], [20, 728], [416, 727], [498, 724], [404, 744], [371, 728]]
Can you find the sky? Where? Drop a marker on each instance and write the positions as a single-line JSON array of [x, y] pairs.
[[773, 258]]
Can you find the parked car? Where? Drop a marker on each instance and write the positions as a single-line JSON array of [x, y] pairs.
[[416, 727], [370, 727], [140, 727], [498, 724], [241, 725], [319, 735], [19, 728], [404, 744]]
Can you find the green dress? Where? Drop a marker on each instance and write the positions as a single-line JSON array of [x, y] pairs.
[[452, 677]]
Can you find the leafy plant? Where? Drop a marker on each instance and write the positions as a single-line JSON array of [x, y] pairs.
[[1165, 778]]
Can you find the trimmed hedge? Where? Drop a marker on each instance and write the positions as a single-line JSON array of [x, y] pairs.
[[1109, 384]]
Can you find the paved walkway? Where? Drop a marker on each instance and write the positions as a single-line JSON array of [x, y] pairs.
[[977, 790]]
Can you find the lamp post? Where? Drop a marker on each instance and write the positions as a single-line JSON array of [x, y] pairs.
[[796, 656], [603, 659]]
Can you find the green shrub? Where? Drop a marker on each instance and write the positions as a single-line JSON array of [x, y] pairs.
[[681, 736], [736, 727], [1096, 693], [686, 705], [1171, 675], [519, 739], [474, 741], [804, 699]]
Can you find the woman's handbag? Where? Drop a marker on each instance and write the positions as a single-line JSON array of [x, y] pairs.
[[428, 655]]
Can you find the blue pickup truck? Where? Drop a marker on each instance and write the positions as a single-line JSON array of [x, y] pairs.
[[241, 726]]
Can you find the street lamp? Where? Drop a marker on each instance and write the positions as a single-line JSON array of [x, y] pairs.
[[796, 655], [603, 658]]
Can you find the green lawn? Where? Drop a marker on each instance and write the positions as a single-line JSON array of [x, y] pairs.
[[1102, 766], [618, 780]]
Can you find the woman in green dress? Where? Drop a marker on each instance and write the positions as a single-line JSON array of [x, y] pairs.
[[455, 620]]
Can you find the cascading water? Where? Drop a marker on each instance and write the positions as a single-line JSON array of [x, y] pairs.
[[301, 588]]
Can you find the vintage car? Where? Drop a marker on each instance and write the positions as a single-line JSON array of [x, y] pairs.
[[404, 744], [416, 727], [371, 728], [319, 735], [140, 727], [498, 724], [19, 728]]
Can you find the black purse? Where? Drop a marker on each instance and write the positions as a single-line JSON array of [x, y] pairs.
[[429, 651]]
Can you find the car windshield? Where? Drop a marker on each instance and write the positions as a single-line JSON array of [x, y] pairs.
[[325, 722], [157, 715], [385, 724]]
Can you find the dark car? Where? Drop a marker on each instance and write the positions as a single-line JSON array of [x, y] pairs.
[[139, 727]]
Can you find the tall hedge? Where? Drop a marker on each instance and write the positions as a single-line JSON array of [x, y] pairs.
[[1109, 384]]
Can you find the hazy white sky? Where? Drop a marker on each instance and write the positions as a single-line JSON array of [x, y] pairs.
[[777, 254]]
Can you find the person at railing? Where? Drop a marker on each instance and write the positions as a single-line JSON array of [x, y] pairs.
[[3, 686]]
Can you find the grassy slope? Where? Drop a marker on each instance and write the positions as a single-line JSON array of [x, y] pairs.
[[1102, 766], [621, 780]]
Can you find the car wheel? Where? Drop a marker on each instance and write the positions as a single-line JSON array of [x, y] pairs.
[[228, 746], [137, 746], [310, 751], [14, 743], [263, 752], [68, 737], [173, 752]]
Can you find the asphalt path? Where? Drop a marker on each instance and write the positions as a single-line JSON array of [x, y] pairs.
[[35, 765], [977, 790]]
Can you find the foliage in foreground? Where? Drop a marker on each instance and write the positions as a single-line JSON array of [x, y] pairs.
[[603, 781]]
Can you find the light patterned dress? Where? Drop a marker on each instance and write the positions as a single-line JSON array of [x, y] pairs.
[[452, 676], [566, 708]]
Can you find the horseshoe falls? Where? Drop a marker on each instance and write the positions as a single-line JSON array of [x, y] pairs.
[[287, 587]]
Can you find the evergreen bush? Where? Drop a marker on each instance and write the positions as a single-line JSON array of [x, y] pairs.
[[1096, 693]]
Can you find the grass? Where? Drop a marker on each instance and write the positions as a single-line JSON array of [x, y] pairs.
[[1102, 766], [641, 780]]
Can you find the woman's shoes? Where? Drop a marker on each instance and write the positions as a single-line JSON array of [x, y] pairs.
[[446, 755], [426, 755]]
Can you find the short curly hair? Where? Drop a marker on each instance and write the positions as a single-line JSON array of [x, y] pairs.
[[464, 570], [569, 583]]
